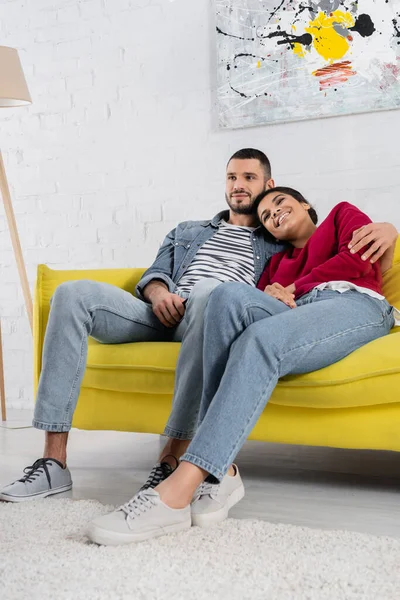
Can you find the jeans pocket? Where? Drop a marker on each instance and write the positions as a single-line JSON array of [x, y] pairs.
[[391, 316], [387, 311]]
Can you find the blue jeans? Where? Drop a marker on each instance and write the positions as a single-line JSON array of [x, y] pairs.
[[252, 339], [80, 309]]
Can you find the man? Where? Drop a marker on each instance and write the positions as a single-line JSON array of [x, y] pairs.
[[170, 304]]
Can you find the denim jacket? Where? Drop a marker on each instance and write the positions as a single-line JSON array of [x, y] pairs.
[[181, 244]]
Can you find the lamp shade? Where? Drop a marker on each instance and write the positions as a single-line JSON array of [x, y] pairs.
[[13, 88]]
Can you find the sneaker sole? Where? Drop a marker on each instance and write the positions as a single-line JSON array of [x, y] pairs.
[[103, 537], [62, 491], [209, 519]]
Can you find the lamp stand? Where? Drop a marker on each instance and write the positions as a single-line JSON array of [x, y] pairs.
[[2, 389], [12, 226]]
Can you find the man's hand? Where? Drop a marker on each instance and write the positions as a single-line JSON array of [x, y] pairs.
[[280, 293], [381, 236], [168, 308]]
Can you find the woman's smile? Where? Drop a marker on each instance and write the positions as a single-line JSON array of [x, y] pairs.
[[281, 218]]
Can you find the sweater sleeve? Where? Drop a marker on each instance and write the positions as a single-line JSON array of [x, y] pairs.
[[347, 219]]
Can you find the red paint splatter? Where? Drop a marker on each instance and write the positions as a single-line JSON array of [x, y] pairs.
[[391, 74], [394, 69], [335, 74]]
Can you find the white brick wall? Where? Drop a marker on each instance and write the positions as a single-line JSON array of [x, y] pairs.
[[121, 143]]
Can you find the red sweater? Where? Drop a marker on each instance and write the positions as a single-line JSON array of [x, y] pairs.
[[325, 257]]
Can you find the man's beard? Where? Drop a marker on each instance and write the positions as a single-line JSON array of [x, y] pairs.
[[241, 209]]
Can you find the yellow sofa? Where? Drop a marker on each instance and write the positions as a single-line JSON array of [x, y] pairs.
[[354, 403]]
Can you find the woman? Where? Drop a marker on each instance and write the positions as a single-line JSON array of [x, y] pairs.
[[317, 302]]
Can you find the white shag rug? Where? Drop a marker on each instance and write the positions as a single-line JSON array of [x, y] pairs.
[[44, 555]]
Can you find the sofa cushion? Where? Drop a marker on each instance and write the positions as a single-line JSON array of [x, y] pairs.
[[364, 378]]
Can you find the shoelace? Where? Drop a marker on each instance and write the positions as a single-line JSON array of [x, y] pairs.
[[159, 473], [38, 467], [207, 489], [139, 504]]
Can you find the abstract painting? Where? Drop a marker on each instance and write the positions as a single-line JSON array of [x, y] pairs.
[[289, 60]]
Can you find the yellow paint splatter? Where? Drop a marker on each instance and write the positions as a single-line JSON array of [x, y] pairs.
[[299, 50], [326, 41]]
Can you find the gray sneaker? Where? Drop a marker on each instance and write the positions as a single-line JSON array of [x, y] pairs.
[[142, 518], [44, 478], [213, 501]]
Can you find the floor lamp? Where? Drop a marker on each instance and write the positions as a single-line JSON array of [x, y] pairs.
[[13, 92]]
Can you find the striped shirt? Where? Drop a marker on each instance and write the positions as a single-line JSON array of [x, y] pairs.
[[227, 256]]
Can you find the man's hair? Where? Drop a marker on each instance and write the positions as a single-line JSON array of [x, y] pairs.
[[248, 153], [290, 192]]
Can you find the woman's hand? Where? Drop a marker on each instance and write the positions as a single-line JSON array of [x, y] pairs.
[[280, 293]]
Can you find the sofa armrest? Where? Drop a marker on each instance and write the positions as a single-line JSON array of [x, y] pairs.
[[46, 283]]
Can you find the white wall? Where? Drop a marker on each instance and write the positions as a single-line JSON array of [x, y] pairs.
[[121, 143]]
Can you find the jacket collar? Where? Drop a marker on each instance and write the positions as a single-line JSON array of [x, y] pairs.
[[224, 215]]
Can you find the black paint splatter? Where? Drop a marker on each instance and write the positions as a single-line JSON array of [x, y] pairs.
[[302, 8], [246, 55], [237, 37], [275, 11], [288, 38], [396, 28], [364, 26]]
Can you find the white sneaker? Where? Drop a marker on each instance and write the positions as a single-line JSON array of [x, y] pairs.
[[213, 501], [145, 516]]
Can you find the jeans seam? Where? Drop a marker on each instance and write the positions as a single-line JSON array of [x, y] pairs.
[[251, 305], [175, 433], [234, 447], [118, 314], [68, 405], [172, 432], [52, 427], [336, 335]]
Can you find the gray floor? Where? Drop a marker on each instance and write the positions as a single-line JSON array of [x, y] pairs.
[[314, 487]]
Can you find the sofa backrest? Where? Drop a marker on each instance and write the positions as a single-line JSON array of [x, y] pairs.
[[391, 279]]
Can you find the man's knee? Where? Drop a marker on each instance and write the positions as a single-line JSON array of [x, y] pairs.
[[69, 293]]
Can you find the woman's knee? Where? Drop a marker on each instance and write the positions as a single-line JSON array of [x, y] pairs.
[[202, 290], [228, 294]]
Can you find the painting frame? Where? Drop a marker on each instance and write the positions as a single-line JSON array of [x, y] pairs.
[[265, 75]]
